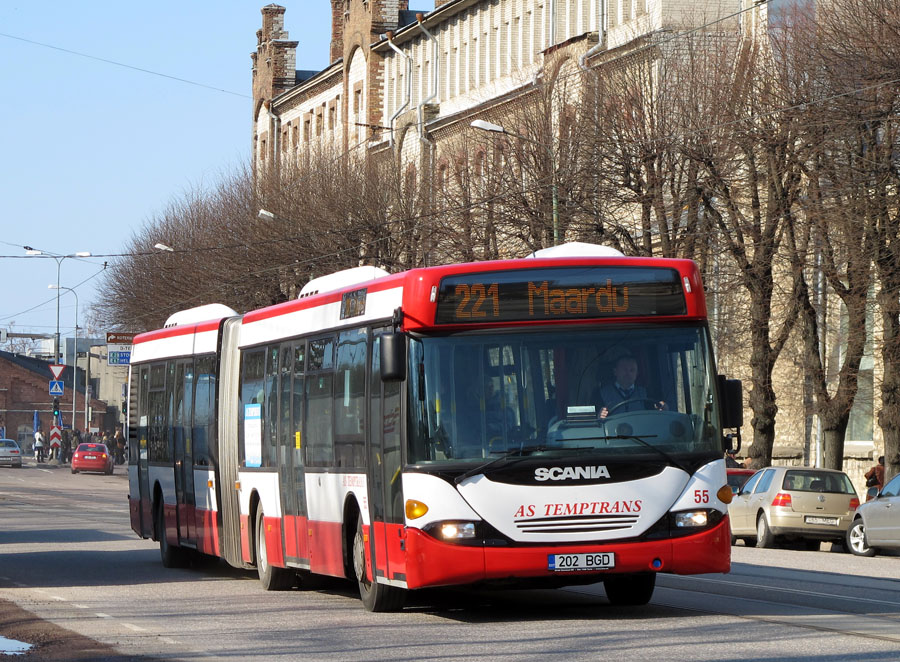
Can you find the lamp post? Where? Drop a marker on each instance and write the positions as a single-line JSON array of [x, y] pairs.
[[490, 127], [75, 352], [164, 248], [59, 260]]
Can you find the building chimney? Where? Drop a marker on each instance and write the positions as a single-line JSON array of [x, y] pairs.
[[337, 30]]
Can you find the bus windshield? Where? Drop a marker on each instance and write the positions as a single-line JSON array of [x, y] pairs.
[[610, 391]]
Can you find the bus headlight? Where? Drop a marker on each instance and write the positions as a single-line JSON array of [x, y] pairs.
[[691, 519], [457, 530]]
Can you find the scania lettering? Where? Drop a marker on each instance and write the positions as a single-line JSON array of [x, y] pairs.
[[569, 473], [443, 426]]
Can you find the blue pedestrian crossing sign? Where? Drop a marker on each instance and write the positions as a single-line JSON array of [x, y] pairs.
[[56, 387]]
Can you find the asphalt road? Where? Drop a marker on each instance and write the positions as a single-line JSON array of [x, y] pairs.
[[77, 583]]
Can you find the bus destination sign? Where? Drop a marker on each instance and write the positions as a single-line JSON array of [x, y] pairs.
[[559, 293]]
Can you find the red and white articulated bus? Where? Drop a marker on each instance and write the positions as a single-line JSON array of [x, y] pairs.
[[448, 425]]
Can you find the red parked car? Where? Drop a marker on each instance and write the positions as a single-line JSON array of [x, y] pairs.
[[92, 457]]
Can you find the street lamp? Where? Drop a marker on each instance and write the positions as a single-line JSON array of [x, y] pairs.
[[59, 260], [490, 127], [164, 248], [75, 352], [265, 215]]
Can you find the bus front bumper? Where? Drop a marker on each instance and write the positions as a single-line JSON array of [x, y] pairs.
[[431, 562]]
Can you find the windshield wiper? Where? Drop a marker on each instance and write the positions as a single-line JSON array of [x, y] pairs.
[[671, 460], [514, 454]]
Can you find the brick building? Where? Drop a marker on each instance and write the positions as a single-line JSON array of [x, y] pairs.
[[24, 390], [405, 83]]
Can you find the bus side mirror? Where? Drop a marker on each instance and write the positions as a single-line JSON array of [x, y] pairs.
[[732, 394], [393, 356]]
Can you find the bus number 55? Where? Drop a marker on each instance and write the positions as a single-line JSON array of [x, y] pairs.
[[701, 496]]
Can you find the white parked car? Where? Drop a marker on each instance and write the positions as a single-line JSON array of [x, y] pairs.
[[10, 453], [877, 522]]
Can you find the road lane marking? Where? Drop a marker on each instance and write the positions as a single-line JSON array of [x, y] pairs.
[[79, 606], [168, 641], [765, 587], [101, 614], [819, 619], [56, 597], [134, 627]]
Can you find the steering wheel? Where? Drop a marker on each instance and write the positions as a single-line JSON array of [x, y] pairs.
[[652, 403]]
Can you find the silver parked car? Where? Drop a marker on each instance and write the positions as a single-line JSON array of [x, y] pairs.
[[793, 503], [877, 522], [10, 453]]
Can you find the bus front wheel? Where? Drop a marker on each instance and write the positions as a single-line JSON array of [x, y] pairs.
[[375, 596], [272, 578]]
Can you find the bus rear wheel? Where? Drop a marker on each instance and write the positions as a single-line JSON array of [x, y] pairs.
[[630, 590], [272, 578], [375, 596], [172, 556]]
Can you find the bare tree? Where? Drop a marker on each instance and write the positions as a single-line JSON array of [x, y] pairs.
[[860, 40]]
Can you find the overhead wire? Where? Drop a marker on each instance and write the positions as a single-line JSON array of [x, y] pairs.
[[446, 211], [122, 64]]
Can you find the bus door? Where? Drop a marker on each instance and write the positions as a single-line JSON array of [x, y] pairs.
[[384, 472], [188, 525], [290, 449], [183, 457], [138, 435]]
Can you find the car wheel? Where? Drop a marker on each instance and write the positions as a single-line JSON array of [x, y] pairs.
[[856, 539], [74, 470], [630, 590], [764, 536], [272, 578]]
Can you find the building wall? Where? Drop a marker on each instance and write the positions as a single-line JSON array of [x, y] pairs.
[[488, 51], [24, 389]]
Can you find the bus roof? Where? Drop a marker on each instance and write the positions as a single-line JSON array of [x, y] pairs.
[[532, 290]]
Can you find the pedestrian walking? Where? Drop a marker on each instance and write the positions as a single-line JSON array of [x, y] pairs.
[[119, 441], [875, 475], [39, 446]]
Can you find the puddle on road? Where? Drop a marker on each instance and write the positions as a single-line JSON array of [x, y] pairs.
[[12, 647]]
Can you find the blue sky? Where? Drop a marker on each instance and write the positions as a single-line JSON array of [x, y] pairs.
[[91, 151]]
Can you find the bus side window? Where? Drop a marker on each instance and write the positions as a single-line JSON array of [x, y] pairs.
[[252, 373], [318, 430], [350, 398]]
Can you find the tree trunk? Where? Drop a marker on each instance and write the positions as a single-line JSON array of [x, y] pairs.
[[833, 432], [762, 395]]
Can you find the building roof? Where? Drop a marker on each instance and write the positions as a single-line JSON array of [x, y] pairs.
[[40, 368]]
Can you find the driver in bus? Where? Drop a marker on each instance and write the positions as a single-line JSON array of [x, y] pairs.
[[624, 395]]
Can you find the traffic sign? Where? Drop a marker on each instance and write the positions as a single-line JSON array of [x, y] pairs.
[[56, 369], [55, 436], [120, 338], [118, 354], [56, 387]]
